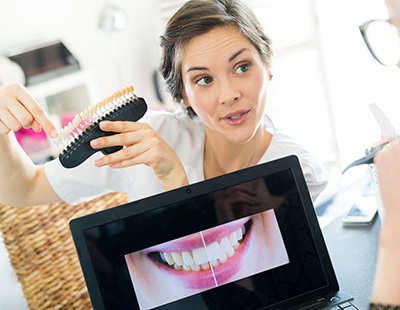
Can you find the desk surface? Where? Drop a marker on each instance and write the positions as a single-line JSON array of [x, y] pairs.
[[353, 252]]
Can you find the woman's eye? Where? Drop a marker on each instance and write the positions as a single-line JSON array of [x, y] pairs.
[[242, 68], [204, 80]]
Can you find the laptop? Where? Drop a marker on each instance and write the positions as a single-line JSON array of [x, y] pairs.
[[245, 240]]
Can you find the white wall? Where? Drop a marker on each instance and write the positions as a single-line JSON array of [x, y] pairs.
[[114, 59], [354, 77]]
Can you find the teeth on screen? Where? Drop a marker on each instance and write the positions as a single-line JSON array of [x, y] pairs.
[[200, 258]]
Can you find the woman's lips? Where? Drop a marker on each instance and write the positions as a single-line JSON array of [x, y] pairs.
[[202, 268], [236, 118]]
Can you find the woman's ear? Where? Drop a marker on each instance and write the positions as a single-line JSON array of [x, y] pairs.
[[269, 71]]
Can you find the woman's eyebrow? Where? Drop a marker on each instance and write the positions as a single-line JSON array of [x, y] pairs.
[[197, 69], [236, 54]]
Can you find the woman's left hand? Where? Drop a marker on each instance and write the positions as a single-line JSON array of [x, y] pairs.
[[142, 145]]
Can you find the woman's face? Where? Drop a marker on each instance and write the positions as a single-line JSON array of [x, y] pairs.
[[225, 82]]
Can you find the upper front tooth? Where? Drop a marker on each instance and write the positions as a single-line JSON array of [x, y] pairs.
[[200, 256], [187, 258], [214, 251]]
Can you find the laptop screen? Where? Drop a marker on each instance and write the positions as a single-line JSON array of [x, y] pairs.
[[247, 240]]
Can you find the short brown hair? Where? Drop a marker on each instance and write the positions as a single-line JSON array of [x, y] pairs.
[[197, 17]]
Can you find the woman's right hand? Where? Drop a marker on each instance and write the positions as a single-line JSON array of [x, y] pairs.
[[18, 109], [22, 183]]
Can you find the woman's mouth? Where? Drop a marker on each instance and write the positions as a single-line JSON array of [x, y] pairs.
[[236, 118]]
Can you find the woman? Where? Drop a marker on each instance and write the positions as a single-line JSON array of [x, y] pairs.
[[217, 63]]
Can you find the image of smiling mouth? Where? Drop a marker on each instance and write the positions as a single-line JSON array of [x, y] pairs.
[[209, 265]]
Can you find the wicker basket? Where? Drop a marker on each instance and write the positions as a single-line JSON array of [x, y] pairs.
[[42, 252]]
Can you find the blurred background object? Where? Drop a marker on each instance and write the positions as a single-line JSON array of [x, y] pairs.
[[112, 18], [10, 72]]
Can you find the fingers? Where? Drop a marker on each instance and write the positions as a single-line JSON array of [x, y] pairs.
[[3, 129], [142, 145], [136, 137], [36, 128], [387, 163], [36, 110], [121, 126], [18, 109], [127, 134], [149, 150], [9, 120], [389, 155], [128, 156]]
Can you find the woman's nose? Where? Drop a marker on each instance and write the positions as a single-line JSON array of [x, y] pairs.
[[229, 93]]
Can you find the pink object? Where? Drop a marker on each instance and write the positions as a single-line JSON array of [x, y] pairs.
[[67, 117], [29, 133], [31, 141]]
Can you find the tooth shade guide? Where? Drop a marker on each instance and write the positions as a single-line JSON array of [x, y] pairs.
[[74, 139], [94, 114]]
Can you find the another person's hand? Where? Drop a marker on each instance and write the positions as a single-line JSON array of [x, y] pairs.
[[18, 109], [142, 145], [388, 168], [387, 281]]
